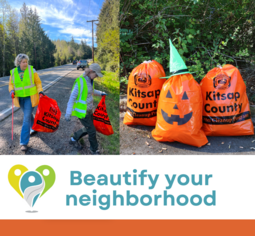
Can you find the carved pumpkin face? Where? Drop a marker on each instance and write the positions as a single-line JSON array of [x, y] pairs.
[[173, 117], [176, 118], [179, 114]]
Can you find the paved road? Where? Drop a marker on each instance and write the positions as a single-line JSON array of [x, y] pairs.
[[47, 76]]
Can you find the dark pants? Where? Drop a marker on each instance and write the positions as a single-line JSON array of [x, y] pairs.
[[89, 129]]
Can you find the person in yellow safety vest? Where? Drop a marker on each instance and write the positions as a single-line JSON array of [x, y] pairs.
[[80, 104], [24, 86]]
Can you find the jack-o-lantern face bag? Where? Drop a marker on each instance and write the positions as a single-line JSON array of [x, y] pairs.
[[143, 92], [179, 114], [226, 110]]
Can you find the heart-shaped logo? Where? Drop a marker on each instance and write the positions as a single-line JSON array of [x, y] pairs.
[[31, 185]]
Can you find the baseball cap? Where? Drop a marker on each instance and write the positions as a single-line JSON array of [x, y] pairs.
[[95, 67]]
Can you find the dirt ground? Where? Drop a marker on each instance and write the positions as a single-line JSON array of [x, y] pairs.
[[47, 143], [137, 140]]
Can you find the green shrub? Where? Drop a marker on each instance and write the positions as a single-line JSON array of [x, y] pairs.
[[205, 33]]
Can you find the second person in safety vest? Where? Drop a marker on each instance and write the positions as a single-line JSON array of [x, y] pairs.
[[80, 104]]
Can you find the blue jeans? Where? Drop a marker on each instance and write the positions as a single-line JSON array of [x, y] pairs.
[[28, 120]]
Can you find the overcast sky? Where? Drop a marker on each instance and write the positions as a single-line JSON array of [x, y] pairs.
[[62, 19]]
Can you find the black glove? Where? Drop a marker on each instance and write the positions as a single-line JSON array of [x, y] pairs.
[[41, 93]]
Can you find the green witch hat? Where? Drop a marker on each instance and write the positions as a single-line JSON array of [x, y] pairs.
[[176, 64]]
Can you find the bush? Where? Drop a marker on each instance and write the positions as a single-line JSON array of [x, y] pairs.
[[107, 54], [205, 33]]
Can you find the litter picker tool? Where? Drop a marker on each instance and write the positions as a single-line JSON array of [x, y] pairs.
[[12, 114]]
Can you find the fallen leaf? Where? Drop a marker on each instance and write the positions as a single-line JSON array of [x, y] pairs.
[[241, 147], [148, 136], [222, 143], [147, 143], [208, 144], [160, 151], [164, 148]]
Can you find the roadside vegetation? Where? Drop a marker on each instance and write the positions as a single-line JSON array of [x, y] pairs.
[[205, 33], [107, 52], [107, 56], [66, 52]]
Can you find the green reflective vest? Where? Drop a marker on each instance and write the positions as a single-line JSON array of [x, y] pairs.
[[80, 105], [25, 87]]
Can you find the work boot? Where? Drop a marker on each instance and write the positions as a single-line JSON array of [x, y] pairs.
[[75, 144], [97, 152], [32, 132], [23, 148]]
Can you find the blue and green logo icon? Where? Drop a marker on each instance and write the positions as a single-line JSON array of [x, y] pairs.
[[31, 185]]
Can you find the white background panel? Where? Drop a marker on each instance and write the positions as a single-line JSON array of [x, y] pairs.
[[233, 181]]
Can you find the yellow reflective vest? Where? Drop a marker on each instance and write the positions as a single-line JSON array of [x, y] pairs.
[[80, 105], [25, 87], [34, 98]]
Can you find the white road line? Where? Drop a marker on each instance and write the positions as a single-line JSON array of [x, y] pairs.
[[51, 83], [44, 88], [5, 111]]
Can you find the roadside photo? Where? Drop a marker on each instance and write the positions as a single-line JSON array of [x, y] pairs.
[[187, 78], [59, 77]]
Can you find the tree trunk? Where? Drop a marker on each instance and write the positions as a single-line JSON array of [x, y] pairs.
[[35, 65], [3, 12], [4, 57]]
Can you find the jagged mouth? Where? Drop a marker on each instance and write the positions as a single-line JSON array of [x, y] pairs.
[[176, 118]]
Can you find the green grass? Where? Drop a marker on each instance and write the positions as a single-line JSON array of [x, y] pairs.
[[110, 84]]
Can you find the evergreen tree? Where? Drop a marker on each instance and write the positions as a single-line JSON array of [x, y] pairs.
[[1, 46], [107, 53], [69, 51], [25, 35], [4, 10], [13, 31]]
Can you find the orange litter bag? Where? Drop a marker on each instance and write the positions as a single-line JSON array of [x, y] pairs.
[[226, 109], [179, 114], [101, 119], [47, 115], [143, 92]]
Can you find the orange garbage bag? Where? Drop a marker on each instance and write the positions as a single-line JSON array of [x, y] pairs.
[[226, 107], [179, 114], [143, 92], [101, 119], [47, 115]]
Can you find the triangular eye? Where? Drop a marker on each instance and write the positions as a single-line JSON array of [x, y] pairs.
[[185, 97], [169, 94]]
